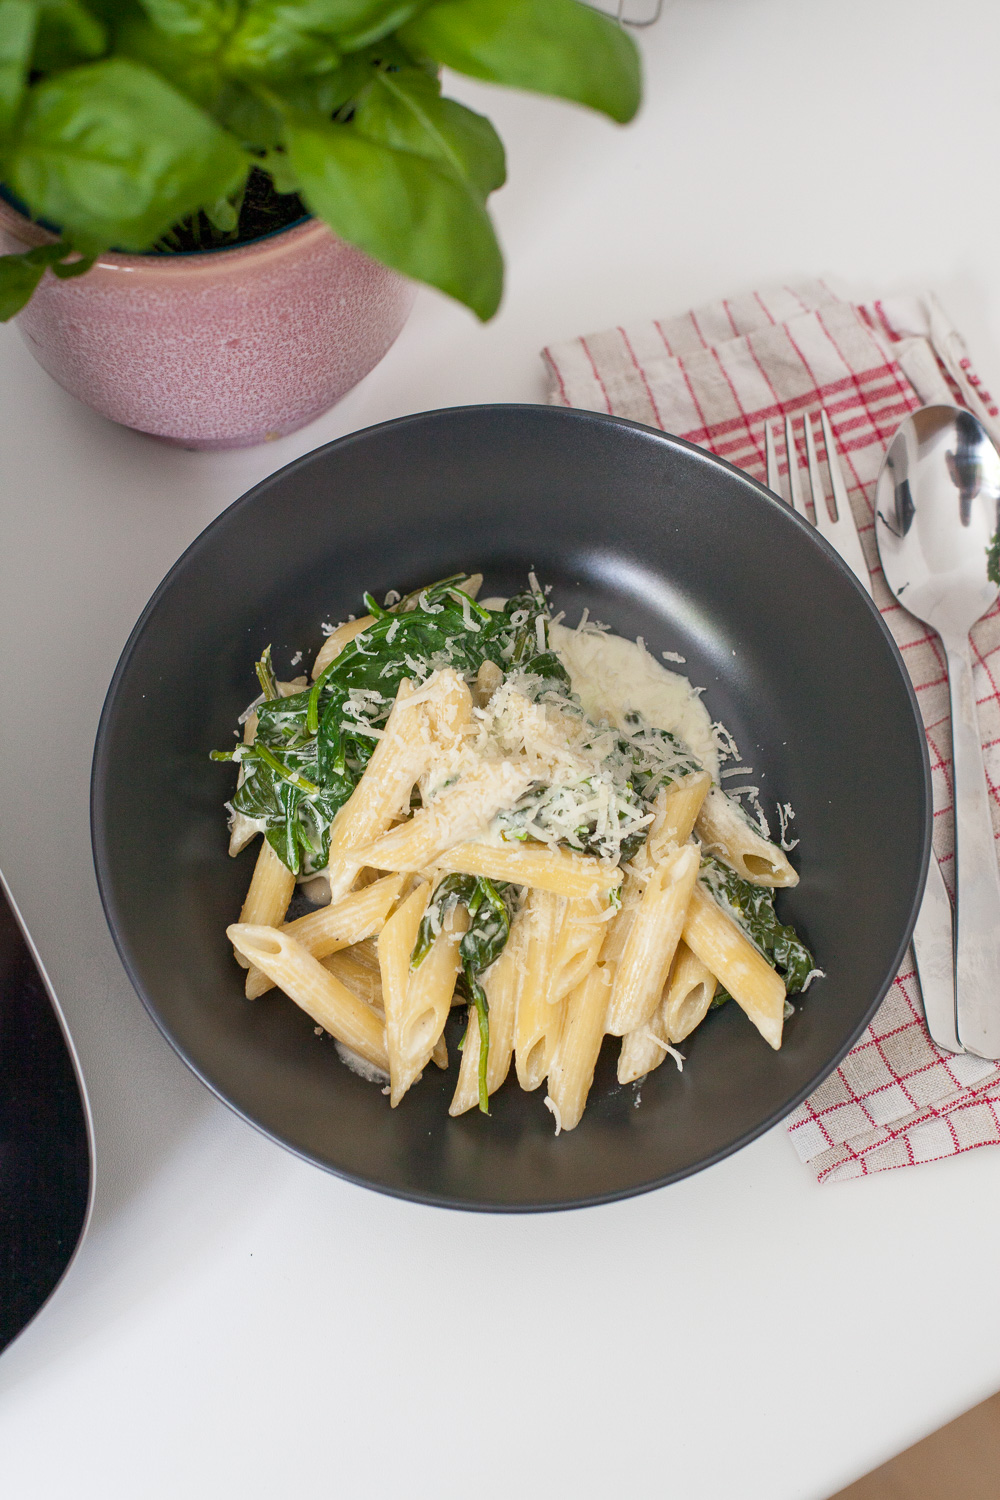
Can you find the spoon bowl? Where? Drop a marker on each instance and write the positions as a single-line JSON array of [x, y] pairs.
[[936, 514]]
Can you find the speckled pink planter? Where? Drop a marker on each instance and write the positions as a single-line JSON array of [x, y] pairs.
[[220, 350]]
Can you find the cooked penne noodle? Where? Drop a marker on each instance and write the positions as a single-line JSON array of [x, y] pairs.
[[272, 886], [534, 865], [572, 1070], [653, 940], [582, 932], [690, 991], [718, 942], [413, 1031], [340, 925], [407, 747], [538, 1022], [366, 982], [337, 640], [359, 977], [388, 779], [316, 991], [455, 815], [686, 998], [725, 831], [395, 945], [675, 811], [501, 982]]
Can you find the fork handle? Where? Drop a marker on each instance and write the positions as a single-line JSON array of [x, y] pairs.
[[934, 952], [977, 877]]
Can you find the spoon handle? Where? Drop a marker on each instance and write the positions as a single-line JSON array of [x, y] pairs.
[[977, 947]]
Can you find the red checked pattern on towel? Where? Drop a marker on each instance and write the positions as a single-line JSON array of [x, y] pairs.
[[715, 376]]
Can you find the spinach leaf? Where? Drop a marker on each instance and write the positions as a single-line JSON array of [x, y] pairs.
[[411, 213], [116, 156], [752, 908], [556, 47], [491, 906], [993, 559]]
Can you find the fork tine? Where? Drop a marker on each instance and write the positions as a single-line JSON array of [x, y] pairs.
[[823, 523], [772, 460], [846, 538], [794, 472], [836, 474]]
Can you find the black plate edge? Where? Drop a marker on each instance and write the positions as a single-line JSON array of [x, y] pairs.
[[36, 957], [571, 414]]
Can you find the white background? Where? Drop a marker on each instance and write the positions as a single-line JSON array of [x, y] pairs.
[[242, 1325]]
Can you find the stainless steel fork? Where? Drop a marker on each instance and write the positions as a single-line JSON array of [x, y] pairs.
[[933, 935]]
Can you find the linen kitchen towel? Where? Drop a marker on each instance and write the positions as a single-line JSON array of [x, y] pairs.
[[714, 376]]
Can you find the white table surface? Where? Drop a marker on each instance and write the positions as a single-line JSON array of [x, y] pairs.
[[241, 1324]]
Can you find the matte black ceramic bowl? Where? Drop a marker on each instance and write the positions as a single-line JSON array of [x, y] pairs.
[[656, 538]]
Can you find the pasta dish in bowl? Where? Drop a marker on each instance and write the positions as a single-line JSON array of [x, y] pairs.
[[489, 855], [467, 831]]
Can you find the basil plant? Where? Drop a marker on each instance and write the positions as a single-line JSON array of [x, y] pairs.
[[122, 119]]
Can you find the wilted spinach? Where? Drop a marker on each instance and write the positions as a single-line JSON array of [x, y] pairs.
[[311, 748], [752, 908], [491, 906]]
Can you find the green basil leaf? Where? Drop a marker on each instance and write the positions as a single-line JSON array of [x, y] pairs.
[[67, 34], [115, 156], [201, 25], [18, 24], [560, 47], [283, 39], [403, 108], [20, 274], [362, 22], [404, 210]]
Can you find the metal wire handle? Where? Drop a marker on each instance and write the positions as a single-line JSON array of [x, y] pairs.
[[626, 20]]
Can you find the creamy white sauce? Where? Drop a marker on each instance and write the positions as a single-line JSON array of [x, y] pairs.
[[613, 676]]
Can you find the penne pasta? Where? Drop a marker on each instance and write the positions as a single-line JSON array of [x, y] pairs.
[[501, 982], [414, 1029], [459, 812], [337, 640], [538, 1022], [272, 886], [572, 1071], [534, 865], [652, 940], [395, 945], [405, 750], [340, 925], [582, 932], [675, 811], [359, 977], [725, 831], [686, 998], [366, 982], [718, 942], [690, 991], [315, 990]]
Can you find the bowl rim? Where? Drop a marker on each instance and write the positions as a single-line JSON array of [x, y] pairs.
[[99, 778]]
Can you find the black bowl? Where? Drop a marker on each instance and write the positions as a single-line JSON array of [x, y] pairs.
[[656, 538]]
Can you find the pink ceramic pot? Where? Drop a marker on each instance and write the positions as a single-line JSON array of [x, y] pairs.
[[215, 350]]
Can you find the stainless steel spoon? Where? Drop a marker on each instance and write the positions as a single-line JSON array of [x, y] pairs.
[[936, 513]]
